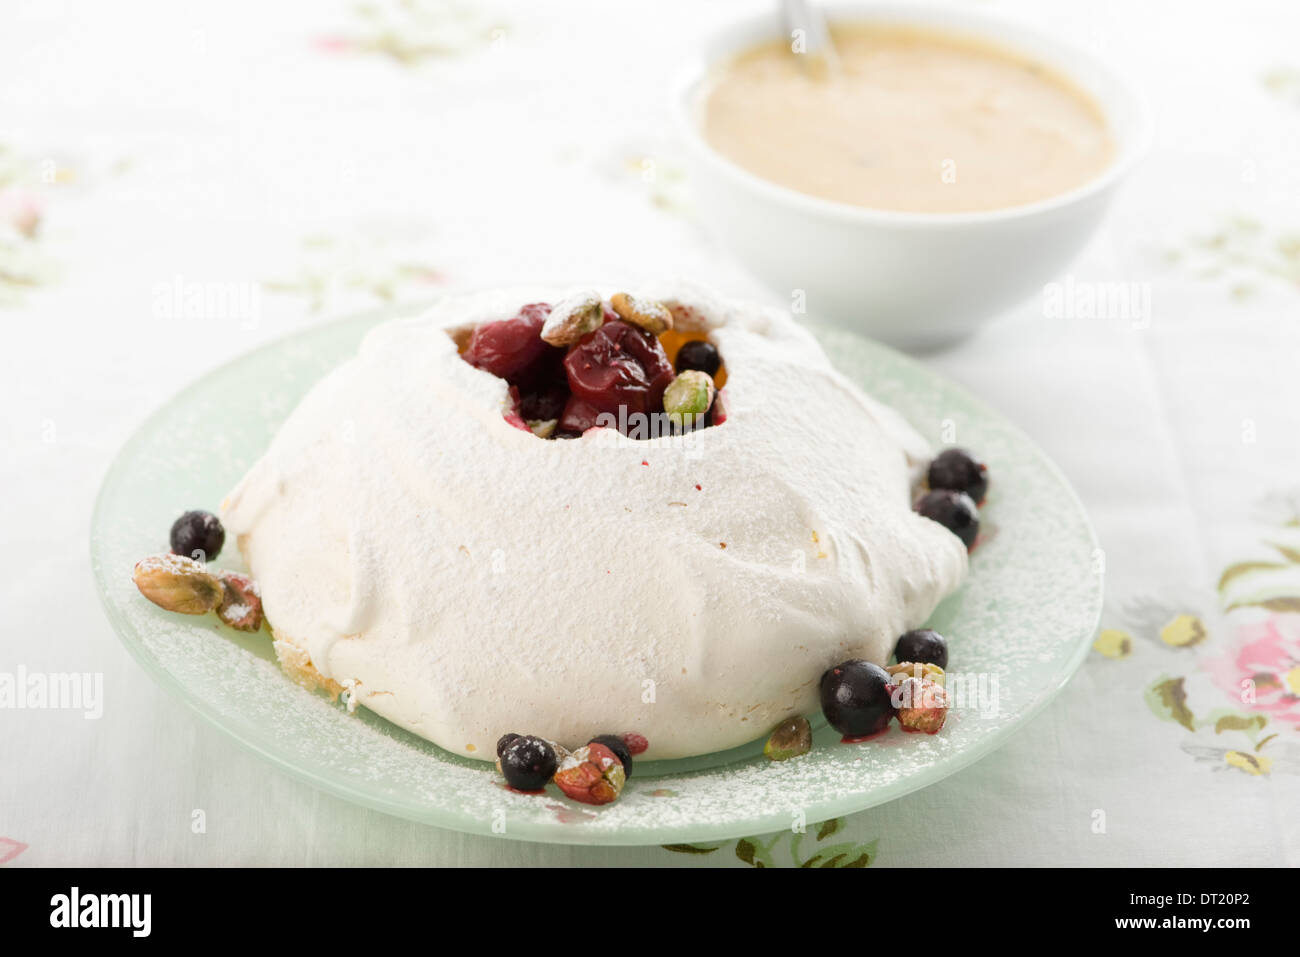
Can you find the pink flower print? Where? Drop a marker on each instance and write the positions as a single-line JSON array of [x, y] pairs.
[[9, 849], [21, 210], [1265, 662], [333, 44]]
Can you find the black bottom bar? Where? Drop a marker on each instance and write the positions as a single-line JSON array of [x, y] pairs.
[[944, 905]]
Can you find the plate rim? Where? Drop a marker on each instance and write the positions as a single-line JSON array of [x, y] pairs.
[[555, 832]]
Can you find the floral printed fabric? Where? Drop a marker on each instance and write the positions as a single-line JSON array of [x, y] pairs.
[[1234, 671], [805, 847], [341, 156]]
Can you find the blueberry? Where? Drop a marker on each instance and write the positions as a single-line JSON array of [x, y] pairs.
[[616, 744], [528, 763], [922, 646], [505, 740], [699, 354], [960, 471], [954, 511], [855, 698], [198, 535]]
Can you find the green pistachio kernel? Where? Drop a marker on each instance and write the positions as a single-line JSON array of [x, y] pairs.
[[792, 737], [909, 669], [542, 428], [573, 318], [690, 394]]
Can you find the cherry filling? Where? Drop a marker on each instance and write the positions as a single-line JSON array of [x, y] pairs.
[[579, 415], [619, 366], [618, 369], [546, 402], [512, 349]]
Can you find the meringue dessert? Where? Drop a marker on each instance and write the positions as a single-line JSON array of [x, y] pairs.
[[507, 515]]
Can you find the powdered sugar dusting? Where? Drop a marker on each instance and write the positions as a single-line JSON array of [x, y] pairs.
[[169, 562], [489, 582], [1023, 617]]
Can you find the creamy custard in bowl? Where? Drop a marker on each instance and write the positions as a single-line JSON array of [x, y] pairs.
[[913, 120]]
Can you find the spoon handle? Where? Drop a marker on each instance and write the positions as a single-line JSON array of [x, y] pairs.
[[809, 34]]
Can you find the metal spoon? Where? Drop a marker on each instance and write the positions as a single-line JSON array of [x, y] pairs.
[[810, 37]]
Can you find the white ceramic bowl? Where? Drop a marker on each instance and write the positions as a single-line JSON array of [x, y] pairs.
[[917, 280]]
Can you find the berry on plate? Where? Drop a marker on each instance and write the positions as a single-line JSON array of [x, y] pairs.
[[528, 762], [958, 470], [955, 511], [617, 744], [855, 698], [922, 645], [922, 705], [241, 602], [198, 535], [591, 775]]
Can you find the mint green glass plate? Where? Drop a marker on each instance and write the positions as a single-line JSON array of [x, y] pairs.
[[1022, 622]]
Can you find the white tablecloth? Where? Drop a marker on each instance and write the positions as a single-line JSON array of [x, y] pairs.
[[334, 157]]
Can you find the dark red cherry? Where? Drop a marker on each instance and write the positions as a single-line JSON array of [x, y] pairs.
[[513, 349], [619, 366]]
